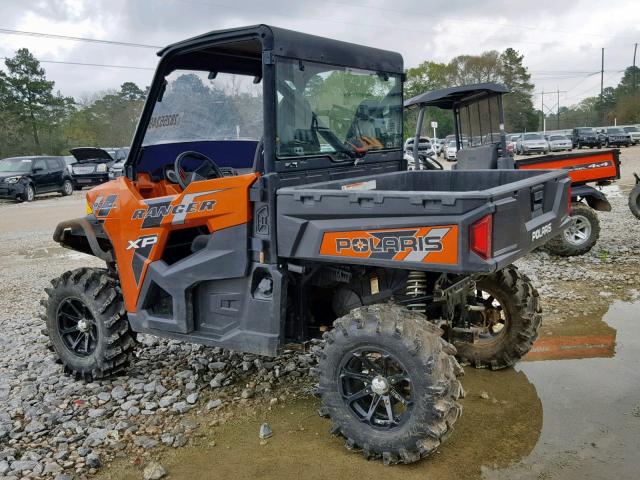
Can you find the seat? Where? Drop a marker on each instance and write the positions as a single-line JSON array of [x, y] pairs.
[[484, 157]]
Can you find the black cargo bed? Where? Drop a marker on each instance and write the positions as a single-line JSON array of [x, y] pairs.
[[520, 202]]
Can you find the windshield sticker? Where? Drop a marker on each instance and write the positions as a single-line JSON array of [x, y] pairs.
[[165, 121]]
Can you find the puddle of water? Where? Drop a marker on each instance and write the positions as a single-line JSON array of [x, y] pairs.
[[565, 419], [591, 427]]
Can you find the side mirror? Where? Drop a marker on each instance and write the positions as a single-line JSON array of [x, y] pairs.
[[37, 169]]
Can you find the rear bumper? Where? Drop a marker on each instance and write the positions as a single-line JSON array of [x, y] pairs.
[[90, 180]]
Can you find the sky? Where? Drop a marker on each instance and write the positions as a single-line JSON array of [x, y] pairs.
[[561, 39]]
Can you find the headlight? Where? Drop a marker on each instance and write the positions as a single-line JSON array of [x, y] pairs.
[[13, 179], [102, 167]]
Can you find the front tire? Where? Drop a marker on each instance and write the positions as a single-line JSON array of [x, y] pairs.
[[581, 234], [28, 195], [388, 383], [509, 323], [87, 324]]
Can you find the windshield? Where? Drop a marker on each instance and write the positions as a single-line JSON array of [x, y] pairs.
[[631, 129], [324, 109], [20, 165], [532, 136], [585, 130], [201, 106], [557, 137], [615, 130]]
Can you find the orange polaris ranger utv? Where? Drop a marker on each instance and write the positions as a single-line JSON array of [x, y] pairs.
[[266, 200]]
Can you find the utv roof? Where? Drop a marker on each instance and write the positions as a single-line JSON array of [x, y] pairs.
[[287, 43], [447, 98]]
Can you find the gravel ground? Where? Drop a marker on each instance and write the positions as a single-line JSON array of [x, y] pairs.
[[54, 427]]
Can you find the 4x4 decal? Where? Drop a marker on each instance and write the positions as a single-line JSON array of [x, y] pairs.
[[436, 244]]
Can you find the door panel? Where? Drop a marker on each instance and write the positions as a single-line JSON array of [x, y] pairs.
[[40, 178]]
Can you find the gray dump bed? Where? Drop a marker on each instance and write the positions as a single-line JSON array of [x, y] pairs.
[[423, 219]]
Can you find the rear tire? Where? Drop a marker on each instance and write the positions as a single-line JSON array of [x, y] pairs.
[[87, 324], [509, 295], [399, 354], [581, 234], [634, 201], [67, 188]]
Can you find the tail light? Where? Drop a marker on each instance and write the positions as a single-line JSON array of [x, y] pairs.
[[480, 237]]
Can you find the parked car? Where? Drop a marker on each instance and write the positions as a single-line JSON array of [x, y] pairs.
[[22, 178], [585, 137], [450, 151], [93, 164], [70, 161], [530, 143], [616, 136], [424, 147], [559, 142], [634, 132]]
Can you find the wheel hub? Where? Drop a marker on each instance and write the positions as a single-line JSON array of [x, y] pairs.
[[376, 387], [83, 325], [579, 231], [380, 385]]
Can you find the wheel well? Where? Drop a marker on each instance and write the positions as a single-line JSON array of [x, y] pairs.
[[319, 294], [85, 237]]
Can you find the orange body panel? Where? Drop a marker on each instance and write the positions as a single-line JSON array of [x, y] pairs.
[[138, 221], [434, 244], [588, 169]]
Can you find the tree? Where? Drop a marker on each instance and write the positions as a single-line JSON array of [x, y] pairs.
[[519, 113], [27, 96]]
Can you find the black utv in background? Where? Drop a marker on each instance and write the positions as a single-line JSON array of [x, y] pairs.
[[22, 178], [93, 164], [585, 137]]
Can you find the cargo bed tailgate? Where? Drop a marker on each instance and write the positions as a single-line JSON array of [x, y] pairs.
[[449, 221]]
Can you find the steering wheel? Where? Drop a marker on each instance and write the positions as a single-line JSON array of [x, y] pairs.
[[200, 173], [430, 162]]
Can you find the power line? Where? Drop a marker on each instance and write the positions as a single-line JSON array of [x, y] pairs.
[[131, 67], [76, 39]]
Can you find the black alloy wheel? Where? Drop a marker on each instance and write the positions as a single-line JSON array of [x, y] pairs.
[[77, 327]]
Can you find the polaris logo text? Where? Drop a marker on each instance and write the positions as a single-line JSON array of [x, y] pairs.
[[428, 244], [540, 232], [162, 211], [389, 243]]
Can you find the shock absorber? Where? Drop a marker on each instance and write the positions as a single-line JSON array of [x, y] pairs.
[[417, 287]]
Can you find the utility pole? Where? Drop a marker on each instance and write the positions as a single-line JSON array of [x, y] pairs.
[[635, 49], [558, 111], [602, 78], [542, 110]]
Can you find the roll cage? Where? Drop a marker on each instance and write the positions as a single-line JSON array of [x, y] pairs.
[[255, 51], [477, 110]]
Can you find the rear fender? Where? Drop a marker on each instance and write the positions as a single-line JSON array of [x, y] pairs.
[[82, 235], [594, 197]]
